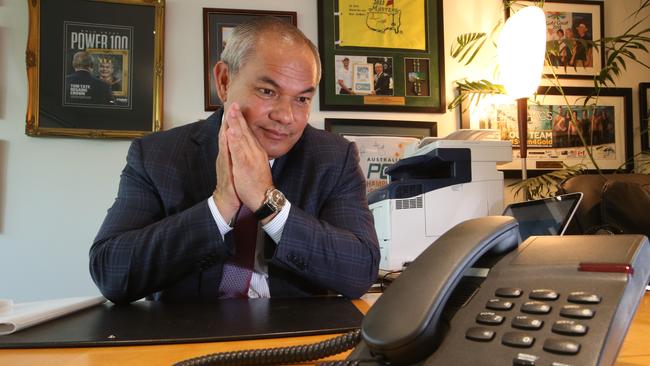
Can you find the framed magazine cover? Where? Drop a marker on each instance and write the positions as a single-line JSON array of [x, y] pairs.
[[605, 123], [571, 28], [217, 27], [403, 43], [381, 143], [95, 68]]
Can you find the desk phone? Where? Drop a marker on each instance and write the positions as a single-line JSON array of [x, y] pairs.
[[549, 301]]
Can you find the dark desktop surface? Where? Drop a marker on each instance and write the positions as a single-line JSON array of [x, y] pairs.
[[148, 322]]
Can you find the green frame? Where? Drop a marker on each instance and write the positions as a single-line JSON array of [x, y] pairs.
[[403, 98]]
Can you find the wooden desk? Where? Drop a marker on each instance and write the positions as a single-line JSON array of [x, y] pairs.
[[635, 351]]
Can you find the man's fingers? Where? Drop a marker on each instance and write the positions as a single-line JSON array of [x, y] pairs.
[[238, 127]]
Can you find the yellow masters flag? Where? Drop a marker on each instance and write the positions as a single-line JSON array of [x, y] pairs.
[[382, 24]]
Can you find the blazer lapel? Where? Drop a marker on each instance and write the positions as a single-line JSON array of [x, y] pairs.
[[201, 159]]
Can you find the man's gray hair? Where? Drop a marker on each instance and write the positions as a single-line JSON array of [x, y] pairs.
[[82, 60], [240, 47]]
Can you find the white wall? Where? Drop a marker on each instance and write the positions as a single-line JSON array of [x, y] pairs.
[[54, 192]]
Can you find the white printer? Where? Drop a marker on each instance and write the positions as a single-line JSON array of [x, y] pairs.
[[438, 184]]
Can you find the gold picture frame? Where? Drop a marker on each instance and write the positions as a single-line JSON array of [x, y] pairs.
[[94, 69]]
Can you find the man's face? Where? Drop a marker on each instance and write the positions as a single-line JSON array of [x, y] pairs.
[[379, 69], [105, 69], [346, 63], [582, 29], [275, 89]]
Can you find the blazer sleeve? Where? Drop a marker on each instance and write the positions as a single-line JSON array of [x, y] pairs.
[[338, 248], [140, 249]]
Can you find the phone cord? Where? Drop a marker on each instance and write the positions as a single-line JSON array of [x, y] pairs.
[[278, 355]]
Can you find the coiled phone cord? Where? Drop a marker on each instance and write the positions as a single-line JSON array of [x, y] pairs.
[[278, 355]]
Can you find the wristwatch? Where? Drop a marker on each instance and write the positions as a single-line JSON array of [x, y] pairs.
[[273, 202]]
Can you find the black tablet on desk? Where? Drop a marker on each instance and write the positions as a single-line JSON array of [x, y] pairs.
[[546, 216], [150, 322]]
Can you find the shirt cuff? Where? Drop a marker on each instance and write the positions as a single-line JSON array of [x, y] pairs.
[[275, 227], [224, 228]]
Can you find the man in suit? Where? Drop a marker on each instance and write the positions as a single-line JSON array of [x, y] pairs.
[[382, 81], [83, 88], [168, 235]]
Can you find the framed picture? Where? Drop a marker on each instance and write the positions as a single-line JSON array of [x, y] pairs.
[[95, 68], [376, 127], [380, 143], [402, 41], [569, 23], [217, 27], [606, 127], [644, 104]]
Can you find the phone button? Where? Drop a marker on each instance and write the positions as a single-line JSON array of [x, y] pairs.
[[517, 339], [535, 307], [508, 292], [543, 294], [524, 359], [562, 346], [576, 311], [581, 297], [569, 327], [498, 304], [490, 318], [527, 322], [480, 334]]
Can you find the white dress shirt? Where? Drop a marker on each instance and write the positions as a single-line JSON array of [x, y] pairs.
[[259, 286]]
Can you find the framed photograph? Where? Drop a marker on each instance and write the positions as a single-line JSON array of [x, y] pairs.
[[376, 127], [217, 27], [380, 143], [95, 68], [605, 124], [362, 79], [402, 41], [644, 104], [571, 27]]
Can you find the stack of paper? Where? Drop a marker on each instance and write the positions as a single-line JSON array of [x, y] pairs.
[[14, 317]]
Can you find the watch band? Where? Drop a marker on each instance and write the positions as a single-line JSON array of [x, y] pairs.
[[264, 211], [273, 202]]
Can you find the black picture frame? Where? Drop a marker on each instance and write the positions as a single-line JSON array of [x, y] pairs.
[[545, 151], [644, 115], [412, 79], [72, 44], [216, 22], [377, 127], [567, 16]]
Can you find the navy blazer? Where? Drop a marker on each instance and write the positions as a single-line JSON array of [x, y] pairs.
[[159, 239]]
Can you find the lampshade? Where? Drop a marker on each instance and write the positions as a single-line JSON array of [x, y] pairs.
[[520, 51]]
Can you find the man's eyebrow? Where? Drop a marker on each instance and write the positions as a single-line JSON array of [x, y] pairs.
[[268, 80]]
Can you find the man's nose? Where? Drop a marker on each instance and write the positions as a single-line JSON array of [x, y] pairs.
[[282, 111]]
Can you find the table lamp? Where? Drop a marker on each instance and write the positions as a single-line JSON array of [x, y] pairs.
[[520, 52]]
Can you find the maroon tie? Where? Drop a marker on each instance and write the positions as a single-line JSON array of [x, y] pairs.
[[237, 270]]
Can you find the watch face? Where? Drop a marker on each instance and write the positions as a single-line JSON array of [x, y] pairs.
[[277, 199]]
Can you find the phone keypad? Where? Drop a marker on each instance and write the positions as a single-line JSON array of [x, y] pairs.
[[568, 320]]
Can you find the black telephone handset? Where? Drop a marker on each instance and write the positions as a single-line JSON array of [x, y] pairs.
[[551, 300], [401, 326]]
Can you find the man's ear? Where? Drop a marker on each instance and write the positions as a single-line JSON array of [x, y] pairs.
[[221, 80]]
